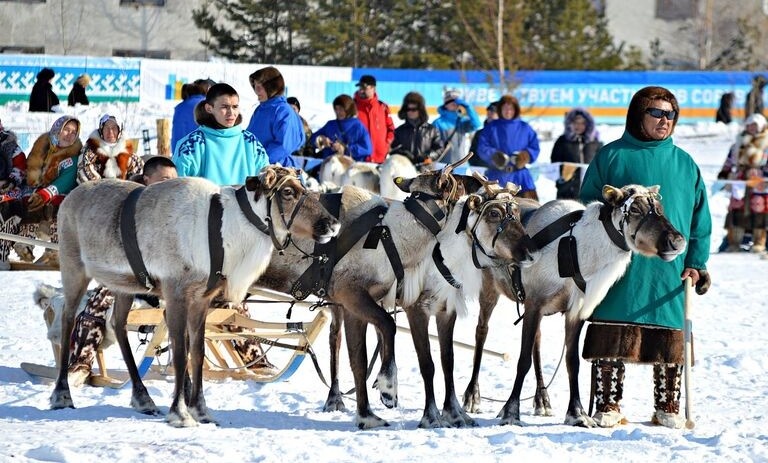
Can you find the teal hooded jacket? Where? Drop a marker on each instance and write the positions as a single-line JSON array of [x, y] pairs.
[[651, 291]]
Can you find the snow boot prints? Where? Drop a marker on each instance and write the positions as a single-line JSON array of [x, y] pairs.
[[666, 395], [608, 384]]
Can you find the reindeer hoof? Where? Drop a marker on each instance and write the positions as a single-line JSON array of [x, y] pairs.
[[145, 406], [370, 422], [61, 399], [178, 421], [334, 404]]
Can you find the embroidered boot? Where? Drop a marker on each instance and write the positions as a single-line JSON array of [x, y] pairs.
[[666, 395], [735, 237], [9, 223], [609, 388], [758, 237], [89, 335]]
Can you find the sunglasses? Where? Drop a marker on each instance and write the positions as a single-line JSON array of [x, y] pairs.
[[659, 113], [412, 109]]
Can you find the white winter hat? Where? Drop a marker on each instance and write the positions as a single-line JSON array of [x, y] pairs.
[[758, 119]]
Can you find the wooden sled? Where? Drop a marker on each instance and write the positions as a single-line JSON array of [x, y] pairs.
[[222, 361], [15, 265]]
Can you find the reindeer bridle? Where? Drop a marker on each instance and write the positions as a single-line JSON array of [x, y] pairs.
[[653, 211], [268, 229]]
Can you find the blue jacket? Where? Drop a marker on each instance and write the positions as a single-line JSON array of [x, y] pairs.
[[279, 129], [184, 119], [351, 132], [508, 136], [450, 122], [223, 156]]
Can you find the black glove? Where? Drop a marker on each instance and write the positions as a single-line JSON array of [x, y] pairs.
[[705, 281], [499, 160]]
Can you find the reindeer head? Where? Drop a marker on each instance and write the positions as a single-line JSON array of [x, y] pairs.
[[438, 183], [299, 210], [494, 223], [639, 216]]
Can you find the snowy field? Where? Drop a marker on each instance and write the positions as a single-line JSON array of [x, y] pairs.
[[282, 422]]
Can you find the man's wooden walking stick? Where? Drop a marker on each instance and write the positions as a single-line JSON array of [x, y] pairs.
[[688, 353]]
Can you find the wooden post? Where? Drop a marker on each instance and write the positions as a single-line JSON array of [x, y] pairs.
[[164, 137]]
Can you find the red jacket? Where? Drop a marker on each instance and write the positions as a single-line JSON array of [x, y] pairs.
[[374, 115]]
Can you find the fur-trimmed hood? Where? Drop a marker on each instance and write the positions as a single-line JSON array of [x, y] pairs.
[[103, 148], [45, 155], [752, 148], [590, 133], [102, 159]]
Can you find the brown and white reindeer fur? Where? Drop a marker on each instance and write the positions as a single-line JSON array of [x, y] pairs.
[[172, 233], [364, 284], [493, 232], [637, 214]]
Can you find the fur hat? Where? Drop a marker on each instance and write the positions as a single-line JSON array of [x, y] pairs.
[[269, 78], [45, 74], [84, 80], [450, 95], [758, 119], [366, 81]]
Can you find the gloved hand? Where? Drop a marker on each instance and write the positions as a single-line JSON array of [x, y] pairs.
[[38, 199], [523, 157], [338, 147], [705, 281], [6, 185], [499, 159], [461, 102]]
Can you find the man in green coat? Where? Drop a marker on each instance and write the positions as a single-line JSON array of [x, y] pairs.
[[641, 318]]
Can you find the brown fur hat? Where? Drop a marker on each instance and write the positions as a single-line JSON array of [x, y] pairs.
[[642, 101], [416, 99], [509, 99], [269, 78]]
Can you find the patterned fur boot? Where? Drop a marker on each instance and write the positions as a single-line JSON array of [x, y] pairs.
[[9, 223], [608, 377], [90, 333], [666, 395]]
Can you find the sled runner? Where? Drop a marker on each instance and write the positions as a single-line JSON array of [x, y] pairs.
[[222, 361]]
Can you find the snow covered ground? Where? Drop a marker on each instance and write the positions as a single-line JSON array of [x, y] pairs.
[[282, 422]]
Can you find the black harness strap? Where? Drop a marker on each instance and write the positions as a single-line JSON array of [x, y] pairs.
[[130, 240], [616, 236], [568, 262], [242, 200], [556, 229], [429, 218], [215, 241], [437, 258], [382, 233]]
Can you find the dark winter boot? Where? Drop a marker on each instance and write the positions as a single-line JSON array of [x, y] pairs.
[[666, 395], [608, 377], [735, 237]]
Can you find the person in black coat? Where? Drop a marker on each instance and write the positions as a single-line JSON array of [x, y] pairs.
[[42, 98], [578, 145], [77, 94], [416, 138], [726, 106]]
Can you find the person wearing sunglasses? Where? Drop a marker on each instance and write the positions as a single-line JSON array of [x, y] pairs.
[[416, 138], [640, 320]]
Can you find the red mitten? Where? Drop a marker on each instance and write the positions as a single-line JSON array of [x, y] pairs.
[[38, 199]]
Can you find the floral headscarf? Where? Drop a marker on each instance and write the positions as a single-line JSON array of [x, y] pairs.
[[58, 124]]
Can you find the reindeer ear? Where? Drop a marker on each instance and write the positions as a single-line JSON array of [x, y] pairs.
[[268, 177], [654, 189], [252, 183], [474, 201], [612, 195]]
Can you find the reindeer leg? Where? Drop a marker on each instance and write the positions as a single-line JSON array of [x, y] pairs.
[[335, 401], [489, 297], [140, 399], [453, 413], [176, 319], [75, 284], [541, 405], [510, 413], [355, 329], [198, 310], [576, 415], [418, 320]]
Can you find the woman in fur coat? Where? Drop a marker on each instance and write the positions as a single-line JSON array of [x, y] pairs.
[[51, 174], [107, 154], [640, 320]]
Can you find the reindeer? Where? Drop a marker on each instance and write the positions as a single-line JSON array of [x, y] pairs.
[[186, 261], [606, 235], [484, 228]]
